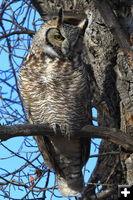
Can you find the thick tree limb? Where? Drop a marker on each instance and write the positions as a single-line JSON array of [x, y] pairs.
[[89, 131], [112, 22], [73, 10]]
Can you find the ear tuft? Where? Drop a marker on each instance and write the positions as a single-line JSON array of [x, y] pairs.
[[60, 17]]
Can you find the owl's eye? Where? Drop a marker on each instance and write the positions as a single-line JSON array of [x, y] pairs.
[[58, 37]]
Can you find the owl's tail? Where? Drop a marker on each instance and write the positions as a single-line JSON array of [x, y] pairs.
[[66, 157], [71, 187]]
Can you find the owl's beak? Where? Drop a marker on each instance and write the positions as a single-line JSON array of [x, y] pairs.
[[83, 25]]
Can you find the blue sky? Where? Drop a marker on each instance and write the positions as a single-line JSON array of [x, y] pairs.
[[21, 145]]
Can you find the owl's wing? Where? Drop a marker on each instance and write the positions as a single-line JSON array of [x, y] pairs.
[[65, 156], [44, 143], [48, 152]]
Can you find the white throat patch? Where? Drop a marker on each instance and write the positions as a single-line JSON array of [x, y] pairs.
[[50, 51]]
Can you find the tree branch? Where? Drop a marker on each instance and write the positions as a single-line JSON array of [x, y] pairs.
[[89, 131], [29, 32], [102, 195]]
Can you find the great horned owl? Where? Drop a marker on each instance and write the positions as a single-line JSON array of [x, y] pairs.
[[55, 91]]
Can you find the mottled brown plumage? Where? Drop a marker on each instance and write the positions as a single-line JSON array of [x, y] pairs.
[[55, 91]]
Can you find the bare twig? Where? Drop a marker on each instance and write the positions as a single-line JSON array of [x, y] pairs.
[[29, 32]]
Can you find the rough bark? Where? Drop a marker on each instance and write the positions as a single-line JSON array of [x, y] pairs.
[[73, 10], [113, 74]]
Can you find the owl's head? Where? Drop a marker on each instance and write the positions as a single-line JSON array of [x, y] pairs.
[[57, 38]]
